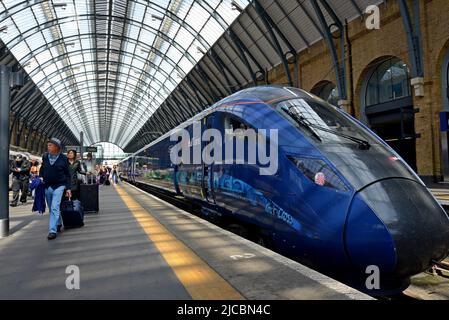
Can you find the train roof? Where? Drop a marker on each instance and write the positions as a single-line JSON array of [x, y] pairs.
[[269, 95]]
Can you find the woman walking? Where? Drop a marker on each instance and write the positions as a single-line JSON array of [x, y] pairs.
[[75, 168]]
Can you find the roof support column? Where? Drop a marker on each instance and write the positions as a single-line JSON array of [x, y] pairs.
[[270, 25], [223, 68], [339, 63], [240, 47], [8, 80], [414, 42]]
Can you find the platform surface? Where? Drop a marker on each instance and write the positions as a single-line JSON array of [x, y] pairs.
[[140, 247]]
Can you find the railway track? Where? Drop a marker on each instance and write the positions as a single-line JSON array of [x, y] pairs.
[[431, 285]]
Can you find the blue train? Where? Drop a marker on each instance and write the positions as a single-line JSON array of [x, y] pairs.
[[340, 201]]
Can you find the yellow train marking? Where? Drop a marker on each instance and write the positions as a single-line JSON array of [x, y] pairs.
[[199, 279]]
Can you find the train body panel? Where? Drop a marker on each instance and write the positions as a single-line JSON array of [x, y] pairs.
[[322, 205]]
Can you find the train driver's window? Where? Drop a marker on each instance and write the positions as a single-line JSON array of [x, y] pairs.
[[231, 123]]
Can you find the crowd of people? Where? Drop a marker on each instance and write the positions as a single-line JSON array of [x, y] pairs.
[[56, 177]]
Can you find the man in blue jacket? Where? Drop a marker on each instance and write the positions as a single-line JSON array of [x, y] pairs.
[[55, 174]]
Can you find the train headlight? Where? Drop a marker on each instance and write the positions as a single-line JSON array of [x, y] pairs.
[[320, 179]]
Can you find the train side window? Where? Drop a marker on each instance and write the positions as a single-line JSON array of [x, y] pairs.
[[231, 123], [319, 172]]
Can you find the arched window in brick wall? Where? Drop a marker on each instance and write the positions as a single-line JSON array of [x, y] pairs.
[[328, 91], [389, 81]]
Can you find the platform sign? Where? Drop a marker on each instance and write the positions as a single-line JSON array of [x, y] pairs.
[[444, 121], [91, 149]]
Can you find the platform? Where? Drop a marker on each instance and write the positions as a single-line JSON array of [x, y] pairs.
[[140, 247]]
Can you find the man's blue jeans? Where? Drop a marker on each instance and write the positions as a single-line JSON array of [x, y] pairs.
[[54, 197]]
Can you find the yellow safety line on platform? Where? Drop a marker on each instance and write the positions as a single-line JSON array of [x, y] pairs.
[[199, 279]]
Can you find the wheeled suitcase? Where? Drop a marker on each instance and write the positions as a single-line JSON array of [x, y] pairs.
[[72, 214], [89, 196]]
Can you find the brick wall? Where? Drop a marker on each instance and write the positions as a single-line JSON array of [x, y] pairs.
[[371, 46]]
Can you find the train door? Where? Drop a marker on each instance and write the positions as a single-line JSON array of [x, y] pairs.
[[207, 183]]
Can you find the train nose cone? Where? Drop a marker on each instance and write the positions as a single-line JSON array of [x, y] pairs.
[[401, 226]]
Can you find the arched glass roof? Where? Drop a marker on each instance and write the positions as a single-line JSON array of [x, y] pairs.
[[107, 150], [107, 65]]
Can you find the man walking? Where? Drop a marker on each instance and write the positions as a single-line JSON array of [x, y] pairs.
[[55, 174], [20, 169]]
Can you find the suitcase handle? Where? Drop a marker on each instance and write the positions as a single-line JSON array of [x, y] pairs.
[[90, 178]]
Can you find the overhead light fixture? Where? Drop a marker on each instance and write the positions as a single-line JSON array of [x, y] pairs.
[[70, 44], [154, 18], [200, 50], [236, 6], [4, 29], [63, 6]]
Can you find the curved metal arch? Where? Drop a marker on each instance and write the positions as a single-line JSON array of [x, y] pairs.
[[93, 62], [28, 86], [89, 119], [19, 103], [152, 90], [189, 104], [85, 98], [183, 92], [58, 83], [60, 41], [23, 92], [63, 130], [58, 71], [24, 116], [67, 19], [161, 120], [43, 118], [50, 119], [28, 117], [175, 103], [53, 132], [142, 108], [93, 143], [212, 81], [213, 15], [158, 8]]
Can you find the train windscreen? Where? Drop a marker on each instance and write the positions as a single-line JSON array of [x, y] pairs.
[[358, 154]]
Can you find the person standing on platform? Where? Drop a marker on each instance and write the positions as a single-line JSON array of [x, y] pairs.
[[75, 169], [34, 169], [34, 174], [21, 178], [89, 169], [56, 176], [97, 174], [114, 174]]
